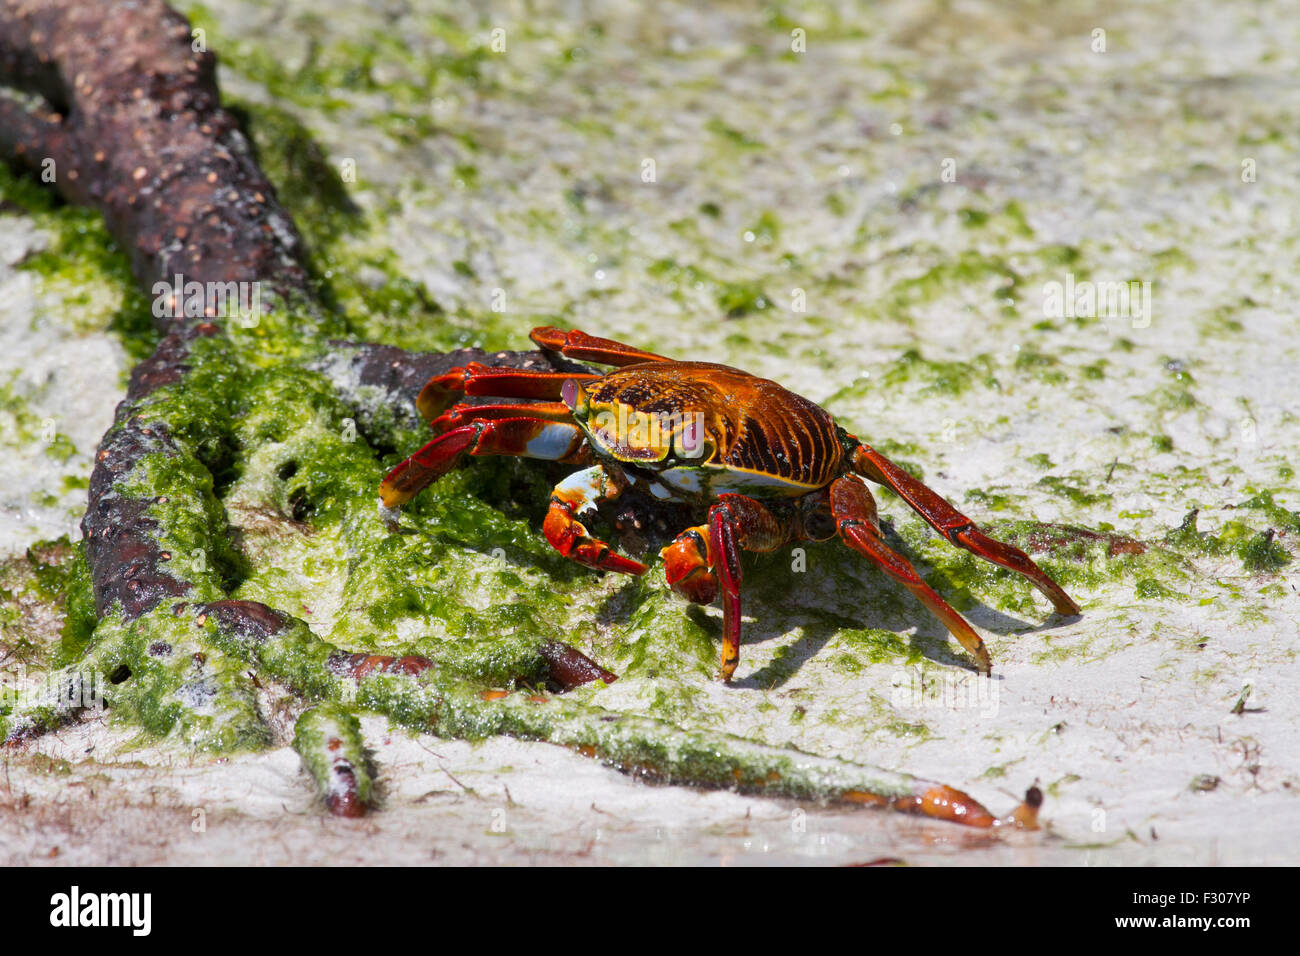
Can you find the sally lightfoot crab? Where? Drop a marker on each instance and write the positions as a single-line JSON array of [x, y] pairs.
[[771, 466]]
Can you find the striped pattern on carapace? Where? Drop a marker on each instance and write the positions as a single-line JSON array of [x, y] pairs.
[[752, 423]]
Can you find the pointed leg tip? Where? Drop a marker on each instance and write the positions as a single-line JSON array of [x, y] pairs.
[[390, 502], [978, 650], [1062, 603], [627, 565], [605, 560], [1069, 608]]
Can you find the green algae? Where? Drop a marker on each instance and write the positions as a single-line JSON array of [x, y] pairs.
[[441, 701], [305, 179], [940, 377], [1077, 559], [734, 298], [968, 269], [81, 267], [1279, 517], [1262, 553], [1257, 549], [285, 454], [80, 615], [277, 436], [20, 425], [738, 299], [53, 575], [181, 687], [1046, 368], [1151, 589], [1078, 496], [61, 693]]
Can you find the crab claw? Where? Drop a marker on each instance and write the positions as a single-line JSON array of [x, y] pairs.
[[443, 391], [686, 566], [570, 537]]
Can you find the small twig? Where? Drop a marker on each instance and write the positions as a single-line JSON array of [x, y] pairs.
[[328, 739]]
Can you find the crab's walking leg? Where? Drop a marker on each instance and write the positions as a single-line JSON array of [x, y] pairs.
[[442, 391], [855, 518], [576, 494], [706, 556], [521, 437], [588, 348], [463, 414], [956, 527]]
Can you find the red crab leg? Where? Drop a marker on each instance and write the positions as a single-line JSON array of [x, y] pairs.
[[706, 556], [956, 527], [441, 391], [855, 517], [723, 545], [523, 437], [578, 493], [589, 348], [463, 414]]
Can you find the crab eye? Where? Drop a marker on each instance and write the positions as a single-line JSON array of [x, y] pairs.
[[572, 395]]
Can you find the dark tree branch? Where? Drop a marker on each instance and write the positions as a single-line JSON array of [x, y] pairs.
[[130, 116]]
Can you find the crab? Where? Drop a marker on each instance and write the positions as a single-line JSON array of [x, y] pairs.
[[770, 466]]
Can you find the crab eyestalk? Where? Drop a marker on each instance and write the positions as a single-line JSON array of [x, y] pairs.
[[575, 396]]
